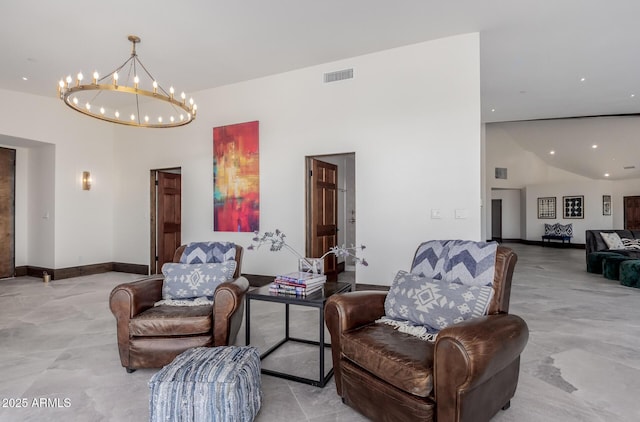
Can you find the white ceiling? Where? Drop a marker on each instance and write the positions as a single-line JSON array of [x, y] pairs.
[[533, 53]]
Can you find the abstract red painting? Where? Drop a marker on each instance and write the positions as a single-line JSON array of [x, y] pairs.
[[236, 178]]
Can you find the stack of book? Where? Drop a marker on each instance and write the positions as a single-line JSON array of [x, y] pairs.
[[298, 283]]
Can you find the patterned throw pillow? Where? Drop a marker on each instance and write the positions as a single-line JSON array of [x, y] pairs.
[[208, 252], [435, 304], [549, 229], [457, 261], [565, 230], [633, 244], [612, 240], [184, 281]]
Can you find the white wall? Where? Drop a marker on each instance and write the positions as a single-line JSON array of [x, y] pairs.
[[80, 226], [593, 218], [411, 115]]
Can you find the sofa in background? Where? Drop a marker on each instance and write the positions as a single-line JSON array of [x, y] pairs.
[[595, 243]]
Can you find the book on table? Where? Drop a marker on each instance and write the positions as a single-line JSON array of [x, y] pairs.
[[303, 278], [293, 290]]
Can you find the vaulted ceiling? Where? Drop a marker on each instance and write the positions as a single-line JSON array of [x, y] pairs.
[[539, 59]]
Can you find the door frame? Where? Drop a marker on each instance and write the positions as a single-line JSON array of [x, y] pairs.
[[340, 266], [153, 214]]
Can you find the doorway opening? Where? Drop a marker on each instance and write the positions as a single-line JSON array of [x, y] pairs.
[[331, 211], [166, 217], [496, 220]]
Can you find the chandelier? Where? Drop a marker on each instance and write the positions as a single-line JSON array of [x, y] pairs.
[[129, 95]]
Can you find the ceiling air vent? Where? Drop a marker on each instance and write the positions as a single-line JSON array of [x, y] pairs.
[[338, 75], [629, 167]]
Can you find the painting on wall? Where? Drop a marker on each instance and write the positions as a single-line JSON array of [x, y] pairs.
[[236, 178], [606, 204], [573, 206], [547, 207]]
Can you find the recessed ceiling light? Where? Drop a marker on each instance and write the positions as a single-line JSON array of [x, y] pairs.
[[594, 146], [24, 78], [493, 109], [632, 95], [606, 175], [583, 79], [552, 152]]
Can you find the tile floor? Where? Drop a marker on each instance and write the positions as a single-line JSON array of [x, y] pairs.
[[582, 362]]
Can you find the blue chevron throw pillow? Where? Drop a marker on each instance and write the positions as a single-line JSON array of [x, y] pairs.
[[208, 252], [457, 261], [470, 263]]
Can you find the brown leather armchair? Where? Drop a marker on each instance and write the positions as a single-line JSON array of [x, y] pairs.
[[151, 337], [469, 374]]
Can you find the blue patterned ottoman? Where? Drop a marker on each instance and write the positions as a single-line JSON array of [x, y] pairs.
[[208, 384]]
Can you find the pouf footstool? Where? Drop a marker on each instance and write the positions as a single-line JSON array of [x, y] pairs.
[[611, 266], [594, 261], [208, 384], [630, 273]]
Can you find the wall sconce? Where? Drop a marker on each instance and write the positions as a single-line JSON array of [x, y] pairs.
[[86, 180]]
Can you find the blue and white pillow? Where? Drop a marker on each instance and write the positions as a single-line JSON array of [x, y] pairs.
[[550, 229], [185, 281], [565, 230], [208, 252], [434, 304], [632, 244], [457, 261]]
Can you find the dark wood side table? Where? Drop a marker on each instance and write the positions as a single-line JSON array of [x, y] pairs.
[[317, 300]]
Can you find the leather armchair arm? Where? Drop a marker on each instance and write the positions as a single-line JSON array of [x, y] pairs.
[[228, 309], [348, 311], [128, 300], [470, 353], [354, 309]]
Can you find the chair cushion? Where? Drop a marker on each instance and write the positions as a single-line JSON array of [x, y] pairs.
[[400, 359], [172, 321], [435, 304], [208, 252], [184, 281]]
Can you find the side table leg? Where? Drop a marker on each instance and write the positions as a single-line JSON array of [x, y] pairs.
[[247, 323], [321, 338]]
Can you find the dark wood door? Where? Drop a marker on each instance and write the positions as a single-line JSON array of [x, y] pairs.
[[324, 214], [168, 217], [632, 212], [7, 211]]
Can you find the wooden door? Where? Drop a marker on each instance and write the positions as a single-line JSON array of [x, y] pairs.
[[323, 214], [7, 211], [168, 217], [632, 212]]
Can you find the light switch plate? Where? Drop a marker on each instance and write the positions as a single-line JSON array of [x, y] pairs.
[[436, 214], [461, 214]]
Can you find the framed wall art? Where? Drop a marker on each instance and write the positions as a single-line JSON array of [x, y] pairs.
[[606, 204], [547, 207], [236, 178], [573, 206]]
